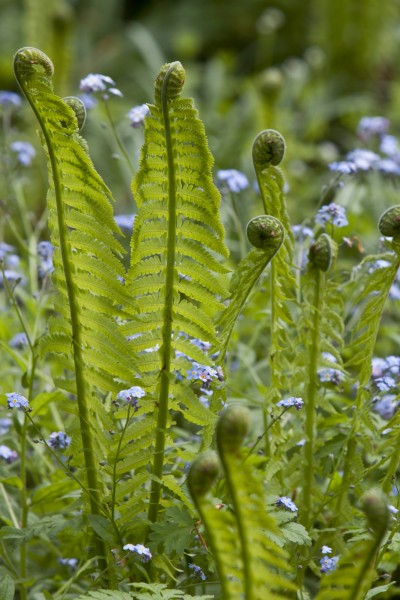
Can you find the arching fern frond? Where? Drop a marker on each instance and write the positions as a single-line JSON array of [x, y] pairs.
[[87, 260]]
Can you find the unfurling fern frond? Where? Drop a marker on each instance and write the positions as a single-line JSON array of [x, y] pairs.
[[177, 245], [249, 563], [267, 235], [84, 336], [357, 571], [268, 151]]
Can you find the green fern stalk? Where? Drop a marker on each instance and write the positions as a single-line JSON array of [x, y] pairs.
[[310, 404]]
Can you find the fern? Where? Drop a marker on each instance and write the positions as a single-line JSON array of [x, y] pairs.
[[176, 242], [356, 571], [87, 262], [360, 351], [248, 561], [268, 152]]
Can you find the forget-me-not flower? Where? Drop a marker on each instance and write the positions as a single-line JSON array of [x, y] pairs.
[[15, 400], [7, 454], [59, 440], [235, 180], [289, 402], [284, 502], [332, 213], [137, 115], [25, 152], [141, 550], [131, 395]]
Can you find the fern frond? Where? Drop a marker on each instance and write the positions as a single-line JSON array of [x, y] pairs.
[[249, 563], [87, 257], [247, 274], [177, 243]]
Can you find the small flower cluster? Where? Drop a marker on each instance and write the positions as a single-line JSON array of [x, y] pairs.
[[362, 160], [137, 115], [131, 396], [197, 571], [289, 402], [59, 440], [234, 180], [45, 253], [328, 563], [7, 454], [72, 563], [19, 341], [284, 502], [385, 376], [94, 83], [15, 400], [10, 262], [25, 152], [332, 214], [141, 550], [10, 100]]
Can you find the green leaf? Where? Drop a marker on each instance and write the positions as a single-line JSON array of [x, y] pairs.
[[296, 533], [102, 527], [378, 590], [7, 587], [175, 532]]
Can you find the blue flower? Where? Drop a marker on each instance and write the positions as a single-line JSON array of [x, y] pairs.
[[328, 564], [59, 440], [326, 550], [385, 383], [137, 115], [329, 375], [88, 101], [10, 99], [285, 502], [25, 151], [235, 180], [94, 82], [202, 373], [141, 550], [386, 406], [332, 213], [7, 454], [388, 166], [346, 167], [125, 221], [372, 126], [15, 400], [131, 395], [289, 402], [5, 425], [69, 562], [363, 159], [19, 341], [197, 571], [389, 146]]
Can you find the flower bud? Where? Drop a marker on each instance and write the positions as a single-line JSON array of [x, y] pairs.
[[389, 223], [232, 428], [169, 81], [323, 252], [268, 149], [202, 474], [265, 232], [375, 506]]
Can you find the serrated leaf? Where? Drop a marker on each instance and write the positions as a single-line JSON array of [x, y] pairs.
[[296, 533], [174, 532], [7, 587]]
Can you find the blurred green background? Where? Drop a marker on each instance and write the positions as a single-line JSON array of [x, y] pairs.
[[310, 69]]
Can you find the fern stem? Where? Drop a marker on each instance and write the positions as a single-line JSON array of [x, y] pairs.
[[162, 417], [117, 138], [241, 524], [359, 587], [314, 350]]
